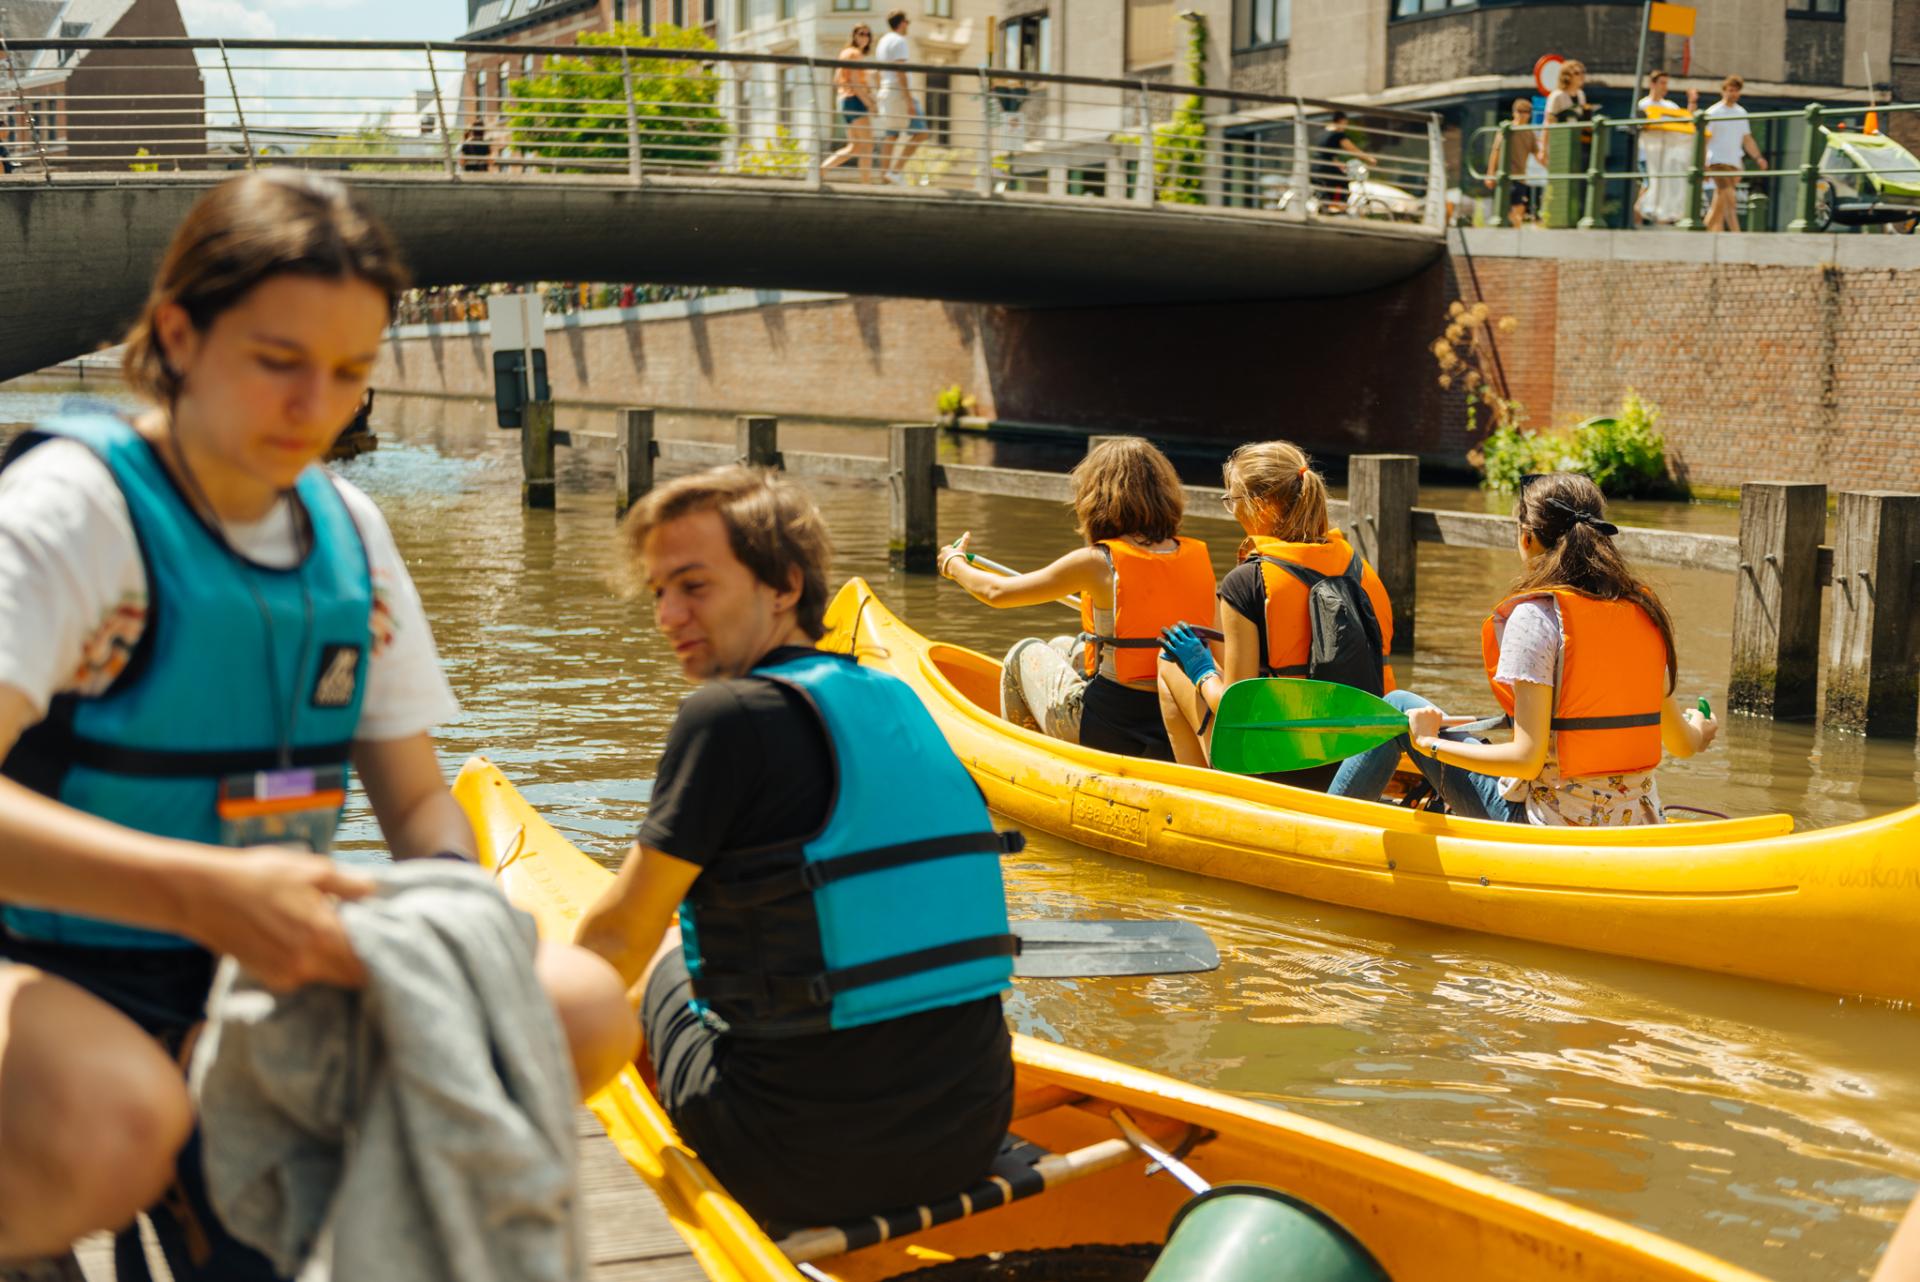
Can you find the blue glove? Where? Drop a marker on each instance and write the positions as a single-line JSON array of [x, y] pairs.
[[1189, 651]]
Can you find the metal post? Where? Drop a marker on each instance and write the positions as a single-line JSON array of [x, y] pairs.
[[1696, 173], [633, 459], [1143, 186], [26, 114], [819, 126], [633, 119], [1503, 180], [1302, 158], [1436, 176], [1809, 170], [1640, 62], [440, 114], [246, 138], [985, 182], [1596, 176]]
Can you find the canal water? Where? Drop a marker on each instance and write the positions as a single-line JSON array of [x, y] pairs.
[[1777, 1128]]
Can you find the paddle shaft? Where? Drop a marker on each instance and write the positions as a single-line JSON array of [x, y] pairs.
[[1072, 601]]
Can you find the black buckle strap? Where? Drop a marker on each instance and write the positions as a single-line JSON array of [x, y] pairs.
[[1141, 643], [1628, 721], [808, 877], [822, 988], [167, 763]]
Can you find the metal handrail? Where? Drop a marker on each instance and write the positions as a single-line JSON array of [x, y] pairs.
[[699, 56]]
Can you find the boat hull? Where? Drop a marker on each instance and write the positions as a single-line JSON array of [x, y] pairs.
[[1834, 909], [1424, 1220]]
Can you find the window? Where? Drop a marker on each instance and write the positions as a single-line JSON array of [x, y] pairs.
[[1264, 22], [853, 6], [526, 66], [1026, 43], [1149, 33], [793, 96], [709, 12], [1817, 8], [619, 11], [939, 8], [1413, 8], [679, 13]]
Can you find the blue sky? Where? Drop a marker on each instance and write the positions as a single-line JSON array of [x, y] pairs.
[[332, 19]]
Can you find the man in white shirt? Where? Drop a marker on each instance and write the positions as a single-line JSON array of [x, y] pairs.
[[902, 127], [1729, 136]]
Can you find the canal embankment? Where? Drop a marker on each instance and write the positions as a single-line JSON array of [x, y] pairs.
[[1769, 357]]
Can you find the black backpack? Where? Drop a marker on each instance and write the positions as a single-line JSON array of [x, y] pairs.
[[1346, 633]]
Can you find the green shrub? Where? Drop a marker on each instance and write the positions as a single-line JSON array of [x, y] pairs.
[[1626, 454], [952, 404]]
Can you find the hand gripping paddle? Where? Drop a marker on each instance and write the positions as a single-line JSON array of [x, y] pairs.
[[1286, 723]]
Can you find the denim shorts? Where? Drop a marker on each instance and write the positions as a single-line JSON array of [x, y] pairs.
[[851, 109], [918, 125]]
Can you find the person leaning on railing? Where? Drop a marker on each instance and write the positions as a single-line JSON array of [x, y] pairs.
[[1513, 150]]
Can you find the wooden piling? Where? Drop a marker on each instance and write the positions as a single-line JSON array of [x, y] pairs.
[[634, 452], [757, 440], [536, 455], [911, 496], [1873, 673], [1776, 599], [1382, 491]]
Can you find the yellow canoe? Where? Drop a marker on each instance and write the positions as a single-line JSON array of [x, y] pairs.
[[1836, 909], [1424, 1220]]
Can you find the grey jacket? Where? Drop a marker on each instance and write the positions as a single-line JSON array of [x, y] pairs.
[[426, 1124]]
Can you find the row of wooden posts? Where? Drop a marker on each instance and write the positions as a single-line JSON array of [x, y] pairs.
[[1780, 559]]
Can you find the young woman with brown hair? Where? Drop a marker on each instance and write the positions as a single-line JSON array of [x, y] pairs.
[[1264, 613], [853, 92], [201, 630], [1135, 577], [1580, 654]]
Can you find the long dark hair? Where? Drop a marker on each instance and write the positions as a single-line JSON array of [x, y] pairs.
[[1567, 516], [240, 234]]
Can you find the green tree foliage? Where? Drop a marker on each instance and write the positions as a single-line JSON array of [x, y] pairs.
[[576, 108], [1624, 454], [1180, 144], [366, 150]]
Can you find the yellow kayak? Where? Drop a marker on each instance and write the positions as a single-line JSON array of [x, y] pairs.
[[1421, 1219], [1837, 909]]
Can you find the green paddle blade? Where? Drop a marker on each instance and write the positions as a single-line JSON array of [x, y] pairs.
[[1280, 723]]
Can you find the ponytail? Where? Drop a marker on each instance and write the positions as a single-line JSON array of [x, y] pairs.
[[1567, 516], [1278, 479]]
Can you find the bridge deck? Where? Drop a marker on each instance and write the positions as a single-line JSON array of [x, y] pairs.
[[629, 1238]]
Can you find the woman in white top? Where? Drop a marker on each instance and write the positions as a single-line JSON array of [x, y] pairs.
[[1666, 152], [199, 630], [1581, 656], [1729, 139]]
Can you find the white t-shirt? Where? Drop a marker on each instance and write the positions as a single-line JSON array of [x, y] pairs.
[[73, 591], [1727, 128], [1530, 652], [892, 48]]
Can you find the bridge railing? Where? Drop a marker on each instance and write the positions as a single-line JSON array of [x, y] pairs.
[[493, 113]]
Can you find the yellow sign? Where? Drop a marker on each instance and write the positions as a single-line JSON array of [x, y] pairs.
[[1671, 19]]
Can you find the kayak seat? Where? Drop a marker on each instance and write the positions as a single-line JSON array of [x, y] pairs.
[[1021, 1170]]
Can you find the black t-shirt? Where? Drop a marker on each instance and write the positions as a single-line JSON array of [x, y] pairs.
[[1244, 590], [747, 764]]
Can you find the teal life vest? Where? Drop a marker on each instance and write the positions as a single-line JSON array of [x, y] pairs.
[[900, 887], [210, 691]]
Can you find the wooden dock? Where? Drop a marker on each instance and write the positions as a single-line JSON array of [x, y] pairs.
[[629, 1238]]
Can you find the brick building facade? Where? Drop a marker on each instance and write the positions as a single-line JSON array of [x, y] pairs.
[[78, 101]]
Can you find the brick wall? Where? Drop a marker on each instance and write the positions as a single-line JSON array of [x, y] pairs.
[[1799, 372]]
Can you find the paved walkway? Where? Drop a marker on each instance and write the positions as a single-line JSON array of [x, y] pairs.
[[628, 1236]]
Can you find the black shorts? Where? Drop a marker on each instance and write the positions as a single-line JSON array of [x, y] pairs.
[[793, 1164], [1119, 718]]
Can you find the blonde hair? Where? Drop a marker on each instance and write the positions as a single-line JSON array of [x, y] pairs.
[[772, 526], [1126, 486], [1278, 479]]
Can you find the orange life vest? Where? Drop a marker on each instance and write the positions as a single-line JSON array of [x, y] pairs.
[[1289, 637], [1606, 709], [1151, 591]]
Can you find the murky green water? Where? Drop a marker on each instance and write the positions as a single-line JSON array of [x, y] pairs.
[[1777, 1128]]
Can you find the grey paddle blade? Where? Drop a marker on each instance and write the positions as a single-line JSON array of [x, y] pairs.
[[1086, 949]]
